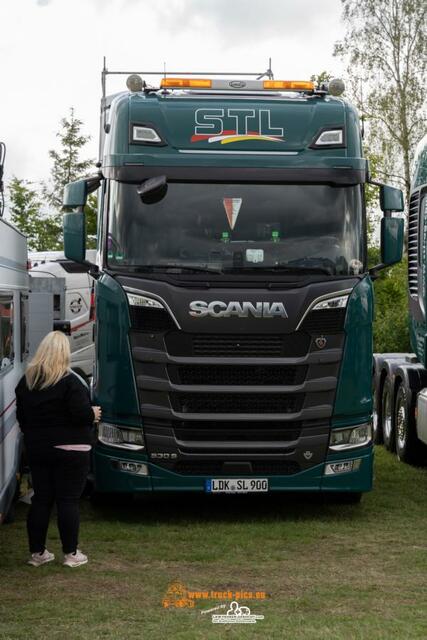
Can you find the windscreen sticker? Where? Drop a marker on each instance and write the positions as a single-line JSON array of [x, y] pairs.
[[254, 255], [232, 208]]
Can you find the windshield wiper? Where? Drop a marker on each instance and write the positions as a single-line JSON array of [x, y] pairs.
[[283, 268], [186, 267]]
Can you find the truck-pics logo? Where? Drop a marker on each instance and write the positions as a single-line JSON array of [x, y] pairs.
[[220, 309], [235, 125]]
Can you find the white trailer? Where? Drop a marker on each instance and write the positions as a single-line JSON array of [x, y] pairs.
[[14, 350]]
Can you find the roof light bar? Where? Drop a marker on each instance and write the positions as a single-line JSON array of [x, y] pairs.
[[289, 85], [186, 83], [221, 84]]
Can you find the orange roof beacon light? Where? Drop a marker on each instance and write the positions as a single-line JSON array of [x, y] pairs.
[[186, 83], [289, 85]]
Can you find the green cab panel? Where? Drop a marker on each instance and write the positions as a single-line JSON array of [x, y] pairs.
[[353, 400], [114, 382]]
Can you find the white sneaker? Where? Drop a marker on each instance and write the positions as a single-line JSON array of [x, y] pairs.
[[74, 559], [38, 559]]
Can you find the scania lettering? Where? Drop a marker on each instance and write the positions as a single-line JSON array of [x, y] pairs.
[[233, 301], [218, 309]]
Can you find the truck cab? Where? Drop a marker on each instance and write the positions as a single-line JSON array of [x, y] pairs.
[[234, 302]]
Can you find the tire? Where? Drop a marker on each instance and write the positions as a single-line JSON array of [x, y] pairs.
[[408, 448], [387, 415], [377, 432]]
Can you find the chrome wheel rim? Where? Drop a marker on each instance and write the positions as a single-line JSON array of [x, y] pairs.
[[387, 415], [401, 425], [374, 413]]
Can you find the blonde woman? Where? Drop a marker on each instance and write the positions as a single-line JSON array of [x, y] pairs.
[[55, 415]]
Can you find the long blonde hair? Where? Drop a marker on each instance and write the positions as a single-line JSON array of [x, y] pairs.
[[50, 363]]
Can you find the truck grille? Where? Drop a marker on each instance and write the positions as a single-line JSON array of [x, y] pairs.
[[413, 244], [326, 321], [210, 468], [194, 431], [237, 375], [229, 345], [236, 402]]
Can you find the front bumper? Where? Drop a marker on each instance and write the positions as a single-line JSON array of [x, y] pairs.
[[110, 479]]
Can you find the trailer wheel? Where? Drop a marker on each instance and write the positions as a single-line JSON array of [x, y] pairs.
[[387, 415], [408, 448]]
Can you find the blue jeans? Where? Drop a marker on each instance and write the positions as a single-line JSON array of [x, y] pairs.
[[59, 478]]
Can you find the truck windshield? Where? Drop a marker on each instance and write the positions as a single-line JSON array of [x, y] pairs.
[[229, 228]]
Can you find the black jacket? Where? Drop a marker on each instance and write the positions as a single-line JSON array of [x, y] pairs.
[[60, 414]]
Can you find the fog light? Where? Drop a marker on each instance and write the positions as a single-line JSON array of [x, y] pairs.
[[342, 467], [137, 468]]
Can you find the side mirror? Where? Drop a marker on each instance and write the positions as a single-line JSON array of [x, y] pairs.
[[74, 223], [75, 194], [75, 236], [391, 240], [391, 199]]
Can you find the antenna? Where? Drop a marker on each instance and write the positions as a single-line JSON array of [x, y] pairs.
[[269, 73]]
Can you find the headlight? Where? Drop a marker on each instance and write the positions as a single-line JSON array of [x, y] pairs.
[[124, 438], [340, 302], [351, 438], [136, 300]]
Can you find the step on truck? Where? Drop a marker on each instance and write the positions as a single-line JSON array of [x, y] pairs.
[[233, 301], [400, 379]]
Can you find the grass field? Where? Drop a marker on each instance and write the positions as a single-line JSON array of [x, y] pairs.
[[329, 571]]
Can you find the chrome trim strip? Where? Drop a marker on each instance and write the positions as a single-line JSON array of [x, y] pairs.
[[313, 303], [239, 153]]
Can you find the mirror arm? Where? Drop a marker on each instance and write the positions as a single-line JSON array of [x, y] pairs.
[[373, 271]]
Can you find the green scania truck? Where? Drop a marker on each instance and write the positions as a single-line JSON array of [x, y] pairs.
[[400, 379], [233, 301]]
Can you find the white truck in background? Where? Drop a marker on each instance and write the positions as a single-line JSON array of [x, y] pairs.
[[73, 303]]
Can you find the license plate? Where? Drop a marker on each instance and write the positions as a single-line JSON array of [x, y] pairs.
[[237, 485]]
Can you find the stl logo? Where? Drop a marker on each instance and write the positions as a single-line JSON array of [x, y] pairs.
[[176, 596]]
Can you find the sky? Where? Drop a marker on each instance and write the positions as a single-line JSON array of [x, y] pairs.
[[51, 56]]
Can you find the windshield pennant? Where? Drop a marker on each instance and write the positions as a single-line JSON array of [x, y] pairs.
[[232, 208]]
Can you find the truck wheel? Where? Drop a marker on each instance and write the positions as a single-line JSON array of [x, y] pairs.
[[377, 432], [408, 448], [387, 415]]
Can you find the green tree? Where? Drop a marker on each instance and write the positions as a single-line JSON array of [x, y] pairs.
[[26, 212], [385, 47], [68, 166], [391, 328]]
